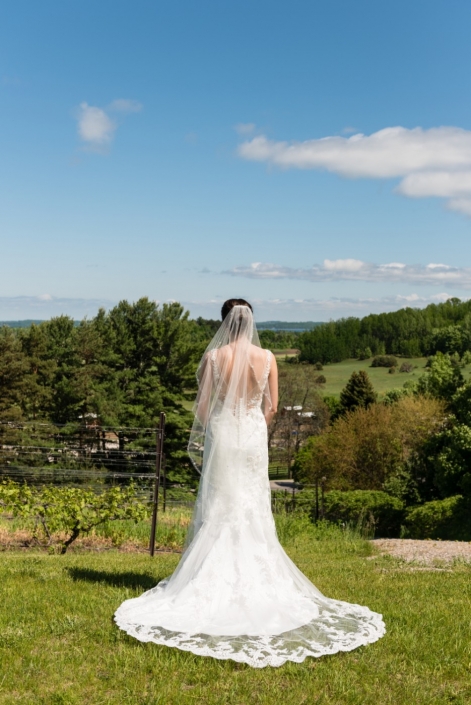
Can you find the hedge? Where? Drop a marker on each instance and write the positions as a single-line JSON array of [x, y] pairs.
[[378, 509], [448, 519]]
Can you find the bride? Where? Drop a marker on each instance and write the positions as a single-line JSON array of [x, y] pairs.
[[235, 593]]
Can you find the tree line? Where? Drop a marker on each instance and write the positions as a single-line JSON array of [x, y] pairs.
[[122, 367], [410, 332]]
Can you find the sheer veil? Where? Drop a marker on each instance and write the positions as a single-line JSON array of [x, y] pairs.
[[232, 378]]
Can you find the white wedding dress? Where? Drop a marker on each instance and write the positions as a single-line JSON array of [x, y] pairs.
[[235, 593]]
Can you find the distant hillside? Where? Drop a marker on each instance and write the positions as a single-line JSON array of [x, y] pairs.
[[410, 332], [292, 326], [19, 324]]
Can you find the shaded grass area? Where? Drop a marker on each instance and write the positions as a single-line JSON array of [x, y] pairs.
[[59, 646]]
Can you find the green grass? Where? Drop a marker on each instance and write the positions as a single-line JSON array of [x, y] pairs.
[[59, 646], [337, 374]]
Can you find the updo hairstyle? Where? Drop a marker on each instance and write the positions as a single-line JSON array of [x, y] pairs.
[[230, 303]]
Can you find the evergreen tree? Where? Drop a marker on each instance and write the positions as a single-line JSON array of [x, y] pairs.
[[13, 368], [358, 392]]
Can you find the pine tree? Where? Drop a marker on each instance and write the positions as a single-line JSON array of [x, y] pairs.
[[358, 392]]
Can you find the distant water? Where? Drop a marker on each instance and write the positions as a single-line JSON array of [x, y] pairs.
[[288, 326]]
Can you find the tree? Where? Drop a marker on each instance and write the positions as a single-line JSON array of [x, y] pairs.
[[369, 447], [443, 378], [358, 392], [449, 458], [13, 369]]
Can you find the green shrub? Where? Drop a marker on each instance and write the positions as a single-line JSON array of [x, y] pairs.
[[364, 354], [384, 361], [376, 509], [71, 511], [448, 519]]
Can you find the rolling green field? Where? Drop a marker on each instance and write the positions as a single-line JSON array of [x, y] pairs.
[[338, 373], [59, 646]]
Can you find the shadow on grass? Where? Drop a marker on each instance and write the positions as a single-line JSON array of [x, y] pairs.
[[129, 580]]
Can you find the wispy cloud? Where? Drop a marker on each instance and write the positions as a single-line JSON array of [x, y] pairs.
[[432, 274], [317, 309], [96, 128], [431, 163], [244, 128], [44, 306], [123, 105]]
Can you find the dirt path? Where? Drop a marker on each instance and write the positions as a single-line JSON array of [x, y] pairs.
[[427, 552]]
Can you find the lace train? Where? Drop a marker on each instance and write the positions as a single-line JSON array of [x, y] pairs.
[[327, 634]]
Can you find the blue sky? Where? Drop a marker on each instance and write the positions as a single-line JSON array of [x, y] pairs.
[[312, 157]]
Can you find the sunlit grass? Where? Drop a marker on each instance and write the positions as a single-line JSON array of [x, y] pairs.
[[58, 645]]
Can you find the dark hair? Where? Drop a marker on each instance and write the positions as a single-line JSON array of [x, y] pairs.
[[230, 303]]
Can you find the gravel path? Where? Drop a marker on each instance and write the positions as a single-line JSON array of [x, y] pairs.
[[425, 551]]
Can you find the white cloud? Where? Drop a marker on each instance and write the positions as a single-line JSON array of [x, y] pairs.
[[356, 270], [431, 163], [462, 205], [95, 127], [343, 265], [123, 105], [244, 128]]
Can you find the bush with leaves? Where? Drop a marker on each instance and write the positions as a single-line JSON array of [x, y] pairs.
[[449, 459], [377, 510], [384, 361], [364, 354], [68, 511], [366, 447], [446, 519], [442, 379]]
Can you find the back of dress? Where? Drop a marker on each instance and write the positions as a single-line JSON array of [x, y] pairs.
[[232, 384]]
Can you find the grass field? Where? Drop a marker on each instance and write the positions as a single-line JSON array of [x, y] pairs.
[[59, 646], [338, 373]]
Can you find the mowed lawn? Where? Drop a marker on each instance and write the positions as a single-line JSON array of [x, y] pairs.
[[337, 374], [59, 646]]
